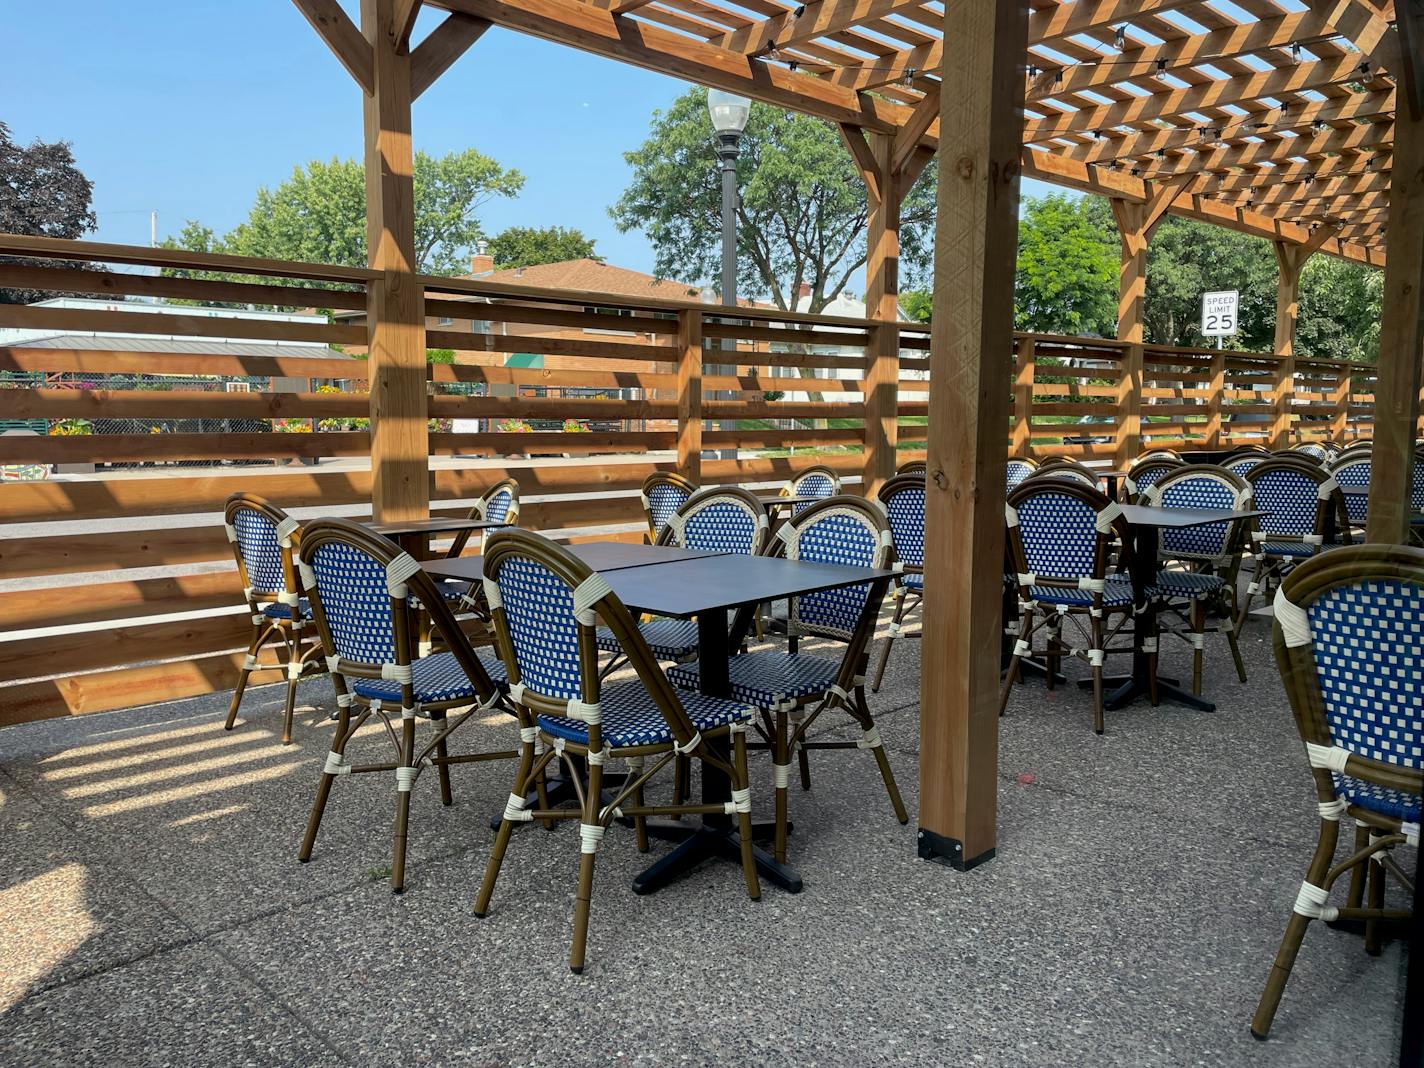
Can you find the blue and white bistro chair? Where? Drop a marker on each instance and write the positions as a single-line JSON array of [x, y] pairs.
[[784, 685], [1201, 563], [1147, 472], [726, 519], [1349, 639], [903, 499], [1242, 462], [545, 603], [1060, 536], [818, 481], [498, 504], [664, 492], [262, 537], [1354, 471], [1416, 500], [364, 592], [1298, 498], [1063, 468], [1317, 451], [1018, 469]]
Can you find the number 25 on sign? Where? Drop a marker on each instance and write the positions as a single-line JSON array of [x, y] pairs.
[[1218, 317]]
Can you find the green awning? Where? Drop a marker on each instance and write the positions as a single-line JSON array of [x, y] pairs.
[[526, 360]]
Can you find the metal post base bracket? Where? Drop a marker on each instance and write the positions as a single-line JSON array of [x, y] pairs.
[[945, 850]]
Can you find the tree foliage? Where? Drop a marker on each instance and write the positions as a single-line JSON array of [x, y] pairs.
[[527, 246], [802, 216], [1339, 312], [43, 193], [1066, 280], [319, 213]]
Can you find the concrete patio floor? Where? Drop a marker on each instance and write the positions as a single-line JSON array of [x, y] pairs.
[[152, 911]]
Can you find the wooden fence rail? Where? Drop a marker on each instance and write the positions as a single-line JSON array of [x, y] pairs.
[[116, 584]]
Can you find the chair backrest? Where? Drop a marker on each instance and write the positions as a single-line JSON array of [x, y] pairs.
[[1059, 532], [724, 519], [1147, 472], [664, 492], [1160, 454], [546, 604], [1201, 486], [1296, 496], [1301, 453], [842, 530], [1318, 450], [903, 498], [1349, 637], [1242, 462], [1018, 469], [1354, 470], [912, 467], [1065, 469], [819, 481], [262, 537], [361, 587], [1416, 487], [500, 503]]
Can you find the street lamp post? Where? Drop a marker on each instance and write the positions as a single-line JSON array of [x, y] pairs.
[[729, 118]]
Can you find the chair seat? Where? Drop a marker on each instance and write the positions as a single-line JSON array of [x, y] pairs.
[[284, 611], [436, 679], [628, 717], [669, 639], [1116, 593], [767, 678], [915, 580], [1289, 548], [1399, 804], [1193, 585]]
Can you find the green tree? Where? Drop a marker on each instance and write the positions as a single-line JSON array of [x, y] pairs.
[[1187, 258], [802, 215], [1339, 310], [43, 193], [526, 246], [319, 213], [918, 304], [1066, 281]]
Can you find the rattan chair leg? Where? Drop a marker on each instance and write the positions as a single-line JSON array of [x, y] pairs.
[[640, 823], [294, 657], [323, 789], [442, 751], [506, 826], [744, 819], [242, 677], [1374, 881], [584, 899], [1096, 628], [1054, 657], [681, 779], [407, 756], [782, 759], [501, 843], [1235, 645], [885, 646], [1356, 897], [1295, 933], [867, 722], [1199, 632], [804, 764]]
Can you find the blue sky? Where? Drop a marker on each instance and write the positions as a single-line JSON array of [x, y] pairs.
[[185, 108]]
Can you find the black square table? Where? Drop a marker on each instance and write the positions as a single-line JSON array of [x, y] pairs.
[[602, 556], [779, 500], [412, 534], [1146, 522]]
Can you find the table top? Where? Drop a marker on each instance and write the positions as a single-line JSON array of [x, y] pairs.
[[433, 525], [691, 587], [1355, 491], [602, 556], [1142, 515]]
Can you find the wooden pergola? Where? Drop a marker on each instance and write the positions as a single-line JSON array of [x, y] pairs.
[[1303, 127]]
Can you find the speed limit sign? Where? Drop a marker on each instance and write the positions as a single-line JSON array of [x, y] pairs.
[[1219, 313]]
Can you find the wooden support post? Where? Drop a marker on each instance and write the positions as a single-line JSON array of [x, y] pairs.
[[1217, 387], [882, 302], [1025, 358], [1291, 259], [1340, 421], [395, 313], [1132, 296], [1402, 318], [689, 394], [980, 149]]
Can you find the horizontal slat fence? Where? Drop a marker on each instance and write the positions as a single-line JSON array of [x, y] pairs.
[[116, 582]]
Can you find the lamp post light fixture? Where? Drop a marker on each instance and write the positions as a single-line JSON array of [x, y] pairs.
[[729, 114]]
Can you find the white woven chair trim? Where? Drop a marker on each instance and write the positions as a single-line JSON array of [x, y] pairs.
[[636, 763], [741, 802], [599, 757], [514, 809], [1259, 535], [1095, 612], [1410, 832], [1149, 645], [787, 533], [407, 713], [870, 739], [248, 591], [1153, 494], [1026, 606], [616, 811], [1096, 657], [396, 672], [285, 529], [840, 695], [424, 648], [299, 624], [692, 743], [529, 735], [1327, 756], [1093, 585], [336, 764], [1332, 810], [1326, 488], [677, 523], [294, 670], [375, 704], [1198, 640], [643, 497], [231, 532], [893, 630], [738, 726], [258, 619], [288, 597], [249, 663], [589, 713], [398, 572], [1130, 485], [1027, 578], [1226, 626], [590, 834], [1310, 902], [1253, 587], [332, 663], [469, 600], [886, 538], [781, 775], [1293, 620], [762, 521], [1110, 514], [1011, 515], [1314, 539], [588, 593], [516, 692], [405, 779], [307, 574], [492, 597], [345, 700]]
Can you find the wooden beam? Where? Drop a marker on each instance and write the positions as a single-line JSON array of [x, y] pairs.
[[804, 22], [1331, 141], [1134, 231], [882, 305], [1401, 335], [345, 41], [599, 32], [981, 119], [403, 16], [1409, 19], [907, 140], [438, 52], [1366, 28], [860, 151], [1056, 21], [689, 395], [395, 316]]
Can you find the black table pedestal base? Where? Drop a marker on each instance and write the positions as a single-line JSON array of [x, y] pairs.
[[707, 842], [1122, 690]]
